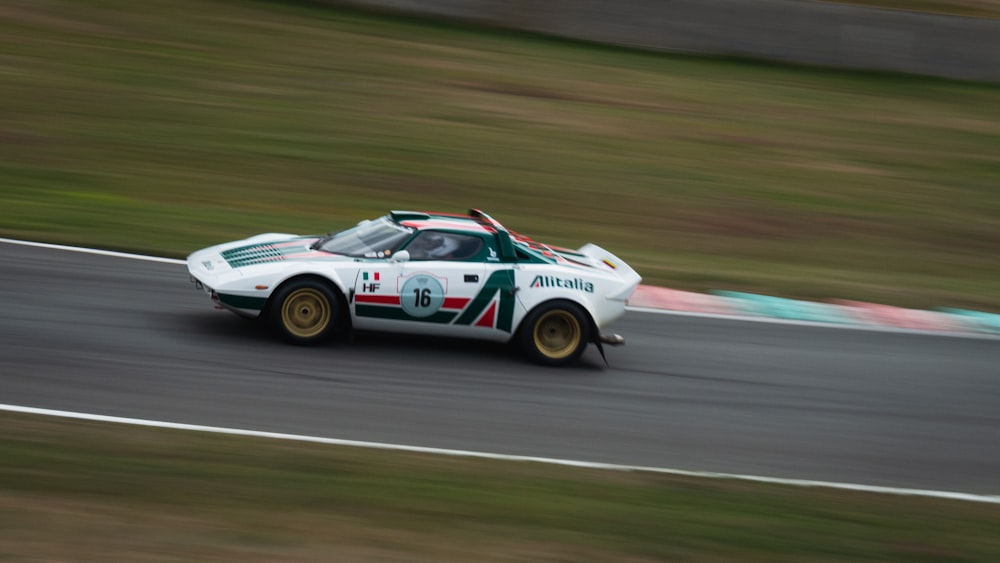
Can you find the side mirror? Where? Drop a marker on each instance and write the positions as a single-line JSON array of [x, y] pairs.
[[401, 256]]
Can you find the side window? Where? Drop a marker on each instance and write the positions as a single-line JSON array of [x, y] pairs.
[[434, 245]]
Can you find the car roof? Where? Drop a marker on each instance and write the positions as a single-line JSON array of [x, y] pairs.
[[478, 222], [422, 220]]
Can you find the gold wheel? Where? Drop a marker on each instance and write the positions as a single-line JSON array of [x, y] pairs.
[[557, 334], [306, 312]]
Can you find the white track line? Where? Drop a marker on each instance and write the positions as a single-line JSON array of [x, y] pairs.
[[592, 465], [93, 251], [993, 499]]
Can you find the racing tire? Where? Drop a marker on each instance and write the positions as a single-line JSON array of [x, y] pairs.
[[555, 333], [304, 312]]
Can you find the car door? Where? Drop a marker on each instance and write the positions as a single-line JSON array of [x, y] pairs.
[[458, 295]]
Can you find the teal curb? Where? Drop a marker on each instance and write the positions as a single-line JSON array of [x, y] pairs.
[[977, 320], [792, 309]]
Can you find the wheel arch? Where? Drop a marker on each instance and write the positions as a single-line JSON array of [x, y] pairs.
[[344, 312], [591, 323], [546, 335]]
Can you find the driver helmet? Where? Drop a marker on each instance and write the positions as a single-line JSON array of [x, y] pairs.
[[433, 241], [426, 243]]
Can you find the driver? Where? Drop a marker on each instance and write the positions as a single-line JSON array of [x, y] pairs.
[[433, 246]]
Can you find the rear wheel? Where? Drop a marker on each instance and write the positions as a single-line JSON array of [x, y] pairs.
[[555, 334], [303, 312]]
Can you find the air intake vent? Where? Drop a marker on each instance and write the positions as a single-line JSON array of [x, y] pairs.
[[255, 254]]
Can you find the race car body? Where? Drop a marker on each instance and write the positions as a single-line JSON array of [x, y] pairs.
[[420, 272]]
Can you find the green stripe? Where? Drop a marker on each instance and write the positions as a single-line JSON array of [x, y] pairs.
[[500, 281], [398, 314], [242, 302]]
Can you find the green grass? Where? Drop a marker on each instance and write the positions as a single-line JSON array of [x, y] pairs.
[[164, 126], [968, 8], [82, 491]]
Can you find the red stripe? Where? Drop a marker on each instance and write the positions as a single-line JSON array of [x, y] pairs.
[[444, 224], [311, 254], [487, 319], [377, 299], [449, 302], [455, 302], [447, 214], [296, 242]]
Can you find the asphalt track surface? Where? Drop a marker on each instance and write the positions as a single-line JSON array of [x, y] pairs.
[[128, 338]]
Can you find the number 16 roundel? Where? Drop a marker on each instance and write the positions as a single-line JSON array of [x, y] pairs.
[[421, 296]]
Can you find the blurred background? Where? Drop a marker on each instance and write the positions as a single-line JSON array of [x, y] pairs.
[[160, 127], [810, 150]]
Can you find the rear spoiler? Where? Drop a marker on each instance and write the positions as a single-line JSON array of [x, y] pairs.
[[604, 260]]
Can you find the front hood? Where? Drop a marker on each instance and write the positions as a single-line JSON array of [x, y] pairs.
[[224, 262], [263, 249]]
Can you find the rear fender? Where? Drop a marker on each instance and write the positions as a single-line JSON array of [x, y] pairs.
[[582, 305]]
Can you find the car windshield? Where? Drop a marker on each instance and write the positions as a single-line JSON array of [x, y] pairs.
[[371, 239]]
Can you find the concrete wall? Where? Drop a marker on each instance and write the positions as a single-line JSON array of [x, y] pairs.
[[797, 31]]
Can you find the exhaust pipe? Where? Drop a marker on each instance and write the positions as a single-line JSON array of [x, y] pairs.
[[613, 339]]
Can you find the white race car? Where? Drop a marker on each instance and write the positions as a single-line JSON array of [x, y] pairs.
[[419, 272]]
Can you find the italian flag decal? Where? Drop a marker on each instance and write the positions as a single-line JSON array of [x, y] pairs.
[[375, 276]]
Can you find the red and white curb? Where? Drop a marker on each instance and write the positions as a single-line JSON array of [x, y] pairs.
[[838, 313]]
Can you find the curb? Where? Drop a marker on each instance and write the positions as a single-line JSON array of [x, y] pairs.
[[837, 312]]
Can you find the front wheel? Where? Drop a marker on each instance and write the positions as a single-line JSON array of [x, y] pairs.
[[303, 312], [555, 334]]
